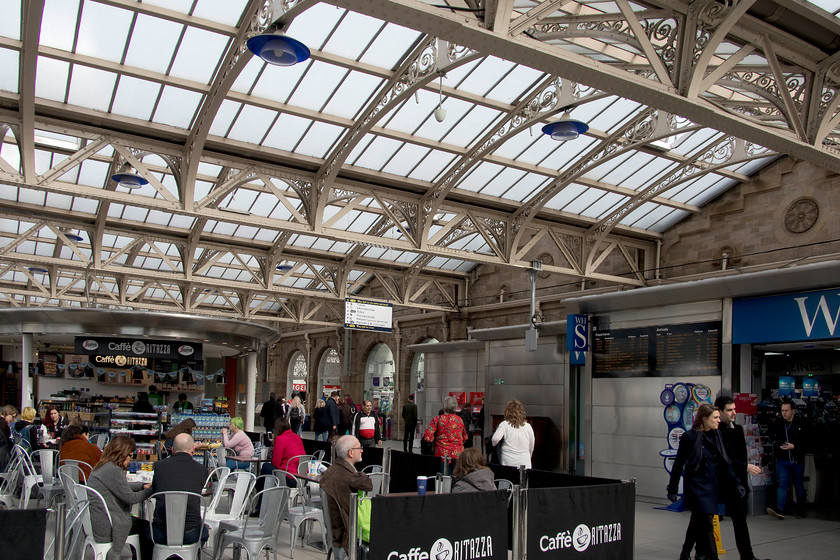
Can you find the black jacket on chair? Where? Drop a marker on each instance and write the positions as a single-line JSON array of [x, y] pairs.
[[182, 473]]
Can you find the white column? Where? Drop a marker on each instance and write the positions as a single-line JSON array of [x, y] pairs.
[[250, 390], [27, 356]]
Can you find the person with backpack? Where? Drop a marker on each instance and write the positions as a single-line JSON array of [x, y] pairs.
[[296, 415]]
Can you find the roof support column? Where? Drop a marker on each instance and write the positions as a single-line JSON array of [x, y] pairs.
[[27, 356], [250, 389]]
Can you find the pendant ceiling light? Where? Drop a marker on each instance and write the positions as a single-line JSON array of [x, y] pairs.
[[284, 267], [126, 177], [277, 49], [440, 112], [565, 129]]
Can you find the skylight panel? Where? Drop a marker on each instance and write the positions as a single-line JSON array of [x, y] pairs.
[[377, 153], [43, 162], [246, 78], [514, 84], [115, 210], [568, 195], [390, 46], [614, 166], [432, 165], [157, 217], [353, 34], [181, 6], [322, 244], [669, 220], [135, 213], [224, 117], [224, 228], [266, 235], [409, 115], [311, 92], [93, 173], [91, 88], [153, 43], [472, 125], [10, 62], [252, 124], [502, 182], [479, 176], [286, 132], [135, 98], [481, 80], [691, 142], [29, 196], [62, 201], [319, 139], [405, 159], [246, 232], [84, 205], [615, 116], [183, 222], [714, 185], [199, 54], [228, 12], [565, 153], [103, 31], [177, 107], [604, 205], [10, 22], [361, 221], [584, 200], [277, 83], [352, 95], [315, 25]]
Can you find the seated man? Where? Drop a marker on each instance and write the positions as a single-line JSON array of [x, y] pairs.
[[338, 481], [180, 472]]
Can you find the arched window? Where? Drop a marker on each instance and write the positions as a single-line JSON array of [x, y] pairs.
[[379, 382], [329, 373], [417, 382], [296, 378]]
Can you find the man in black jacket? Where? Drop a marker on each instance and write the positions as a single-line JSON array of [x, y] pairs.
[[735, 445], [788, 436], [180, 472]]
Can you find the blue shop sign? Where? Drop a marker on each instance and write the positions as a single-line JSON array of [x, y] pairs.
[[802, 316]]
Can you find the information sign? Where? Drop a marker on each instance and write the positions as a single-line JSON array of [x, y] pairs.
[[367, 315]]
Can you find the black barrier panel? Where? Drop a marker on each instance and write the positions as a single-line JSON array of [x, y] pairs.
[[581, 523], [22, 534], [508, 473], [406, 467], [468, 526], [311, 446], [549, 479]]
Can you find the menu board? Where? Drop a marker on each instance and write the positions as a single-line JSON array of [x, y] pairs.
[[662, 351]]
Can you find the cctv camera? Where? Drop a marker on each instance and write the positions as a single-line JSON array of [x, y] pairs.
[[440, 114]]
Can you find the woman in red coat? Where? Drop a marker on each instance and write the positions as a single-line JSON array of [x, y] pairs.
[[447, 431]]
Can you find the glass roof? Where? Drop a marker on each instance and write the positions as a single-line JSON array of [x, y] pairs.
[[391, 158]]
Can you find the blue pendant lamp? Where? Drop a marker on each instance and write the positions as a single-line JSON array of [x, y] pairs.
[[277, 49], [127, 178], [565, 129]]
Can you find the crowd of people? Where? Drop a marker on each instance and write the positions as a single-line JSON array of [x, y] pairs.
[[711, 461]]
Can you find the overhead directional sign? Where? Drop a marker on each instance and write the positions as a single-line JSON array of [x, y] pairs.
[[367, 315]]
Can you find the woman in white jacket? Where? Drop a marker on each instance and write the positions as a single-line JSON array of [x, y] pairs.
[[516, 435]]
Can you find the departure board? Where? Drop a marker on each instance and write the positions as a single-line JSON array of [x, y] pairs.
[[662, 351]]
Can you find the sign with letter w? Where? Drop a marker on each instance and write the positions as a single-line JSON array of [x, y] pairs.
[[791, 317]]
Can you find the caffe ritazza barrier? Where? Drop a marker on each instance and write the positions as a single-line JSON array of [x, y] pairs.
[[470, 526], [580, 522], [553, 516]]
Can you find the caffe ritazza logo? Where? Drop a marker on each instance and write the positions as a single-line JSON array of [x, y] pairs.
[[581, 537], [442, 550]]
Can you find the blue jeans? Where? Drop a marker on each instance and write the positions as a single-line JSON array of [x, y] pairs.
[[322, 436], [233, 464], [191, 536], [785, 470]]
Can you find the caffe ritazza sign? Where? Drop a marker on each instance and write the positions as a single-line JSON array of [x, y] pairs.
[[134, 347]]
